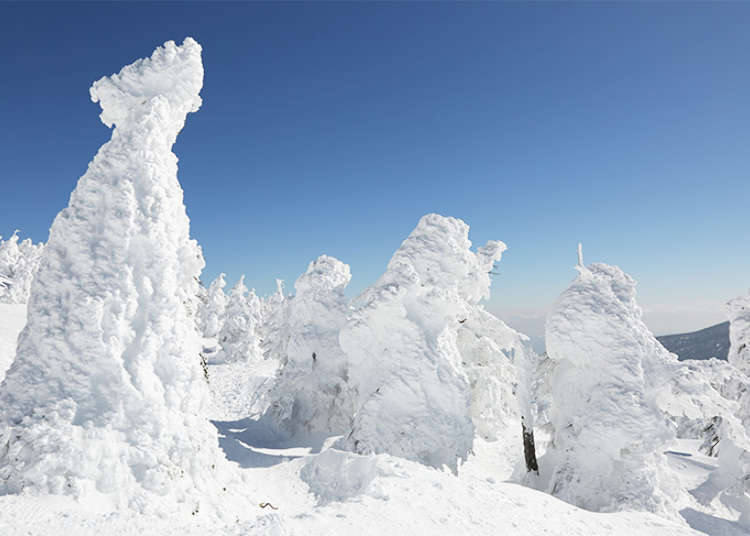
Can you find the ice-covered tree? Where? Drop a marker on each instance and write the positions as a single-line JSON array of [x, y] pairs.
[[212, 308], [106, 392], [608, 431], [312, 395], [238, 336], [19, 262], [414, 395], [738, 311]]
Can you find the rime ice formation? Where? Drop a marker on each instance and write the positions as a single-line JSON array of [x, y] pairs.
[[19, 262], [608, 431], [312, 395], [402, 344], [106, 392], [212, 308], [738, 311], [238, 335]]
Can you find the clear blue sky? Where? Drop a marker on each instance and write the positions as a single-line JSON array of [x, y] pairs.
[[331, 128]]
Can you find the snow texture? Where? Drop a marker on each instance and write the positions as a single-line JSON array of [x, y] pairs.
[[19, 262], [414, 396], [106, 391], [608, 431], [313, 395]]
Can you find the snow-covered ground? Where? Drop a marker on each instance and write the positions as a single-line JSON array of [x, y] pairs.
[[322, 491]]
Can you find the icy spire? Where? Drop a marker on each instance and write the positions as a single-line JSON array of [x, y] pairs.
[[580, 254], [106, 391]]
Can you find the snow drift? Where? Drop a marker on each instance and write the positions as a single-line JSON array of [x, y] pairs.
[[106, 391]]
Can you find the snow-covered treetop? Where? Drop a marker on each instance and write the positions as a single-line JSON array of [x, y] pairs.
[[172, 73], [323, 276], [437, 254]]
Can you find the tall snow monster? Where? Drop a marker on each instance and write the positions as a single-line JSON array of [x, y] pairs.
[[106, 392], [414, 395]]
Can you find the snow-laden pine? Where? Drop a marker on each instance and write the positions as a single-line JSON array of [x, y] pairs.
[[313, 395], [212, 308], [238, 335], [106, 392], [19, 262], [414, 395], [608, 432]]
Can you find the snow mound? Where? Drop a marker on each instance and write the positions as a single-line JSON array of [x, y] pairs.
[[312, 395], [402, 345], [336, 475], [608, 432], [106, 393], [19, 262]]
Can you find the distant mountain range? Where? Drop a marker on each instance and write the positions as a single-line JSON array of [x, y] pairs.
[[703, 344]]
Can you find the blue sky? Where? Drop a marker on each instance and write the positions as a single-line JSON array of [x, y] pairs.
[[331, 128]]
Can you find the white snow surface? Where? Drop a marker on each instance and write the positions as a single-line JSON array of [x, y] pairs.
[[106, 394]]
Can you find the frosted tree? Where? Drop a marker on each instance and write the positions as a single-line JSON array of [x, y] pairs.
[[312, 395], [19, 262], [238, 337], [738, 311], [415, 397], [608, 431], [212, 308], [106, 392]]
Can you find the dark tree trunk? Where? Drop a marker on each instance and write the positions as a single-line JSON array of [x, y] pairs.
[[529, 451]]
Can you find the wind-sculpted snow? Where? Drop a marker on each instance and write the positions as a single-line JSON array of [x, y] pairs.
[[312, 395], [19, 262], [415, 397], [607, 430], [106, 391]]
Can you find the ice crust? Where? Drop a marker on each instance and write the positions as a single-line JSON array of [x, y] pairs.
[[106, 393]]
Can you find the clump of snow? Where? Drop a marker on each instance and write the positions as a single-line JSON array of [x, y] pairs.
[[336, 475], [313, 395], [402, 343], [238, 335], [608, 432], [106, 393], [212, 308], [19, 262]]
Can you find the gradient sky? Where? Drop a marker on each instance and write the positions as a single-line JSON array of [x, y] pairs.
[[331, 128]]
